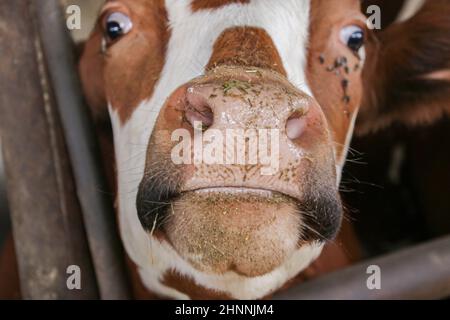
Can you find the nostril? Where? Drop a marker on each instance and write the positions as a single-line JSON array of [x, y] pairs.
[[197, 110], [196, 116], [295, 125]]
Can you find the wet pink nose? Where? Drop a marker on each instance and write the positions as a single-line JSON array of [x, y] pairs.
[[245, 105]]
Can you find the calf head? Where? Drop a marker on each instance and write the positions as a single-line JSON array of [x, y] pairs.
[[231, 123]]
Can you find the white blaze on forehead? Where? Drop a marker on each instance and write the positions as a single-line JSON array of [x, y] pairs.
[[193, 36], [189, 49]]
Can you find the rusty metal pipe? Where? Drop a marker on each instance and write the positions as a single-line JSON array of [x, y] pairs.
[[419, 272], [99, 218], [46, 217]]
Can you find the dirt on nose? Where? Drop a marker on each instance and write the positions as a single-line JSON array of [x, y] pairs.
[[246, 233]]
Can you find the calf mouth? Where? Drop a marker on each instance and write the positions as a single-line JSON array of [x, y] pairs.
[[248, 230], [265, 193]]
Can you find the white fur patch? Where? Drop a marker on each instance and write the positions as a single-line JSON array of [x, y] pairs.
[[189, 50], [230, 283]]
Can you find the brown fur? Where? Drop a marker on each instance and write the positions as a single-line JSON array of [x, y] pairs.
[[190, 288], [130, 77], [246, 47], [326, 85], [9, 273], [397, 81]]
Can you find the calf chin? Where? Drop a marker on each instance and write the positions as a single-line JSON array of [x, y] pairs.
[[248, 233]]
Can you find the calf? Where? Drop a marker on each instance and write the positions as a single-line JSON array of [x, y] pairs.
[[173, 75]]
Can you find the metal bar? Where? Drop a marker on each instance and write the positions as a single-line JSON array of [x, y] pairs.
[[46, 216], [107, 252], [420, 272]]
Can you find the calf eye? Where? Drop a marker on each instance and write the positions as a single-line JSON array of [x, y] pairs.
[[117, 24], [353, 37]]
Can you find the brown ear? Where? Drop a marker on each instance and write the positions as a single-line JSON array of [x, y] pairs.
[[407, 72], [91, 67]]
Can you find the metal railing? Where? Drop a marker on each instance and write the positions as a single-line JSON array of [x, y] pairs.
[[51, 160], [418, 272]]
